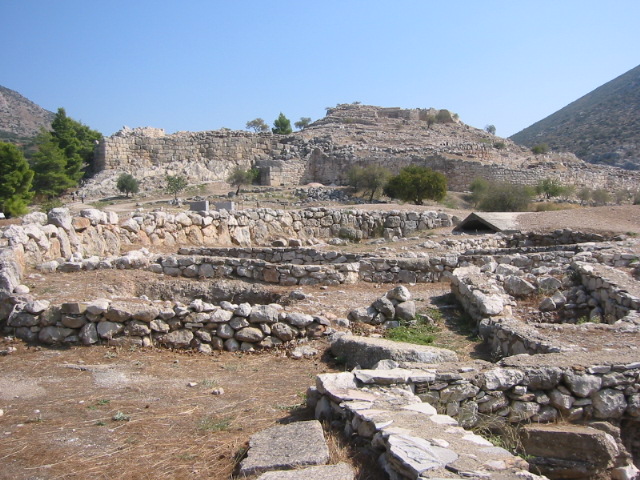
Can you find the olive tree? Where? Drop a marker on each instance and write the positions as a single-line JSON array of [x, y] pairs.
[[127, 184], [415, 184]]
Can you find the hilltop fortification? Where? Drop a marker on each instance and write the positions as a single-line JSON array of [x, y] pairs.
[[349, 134]]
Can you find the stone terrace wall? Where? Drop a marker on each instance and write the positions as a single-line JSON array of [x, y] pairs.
[[331, 167], [376, 405], [199, 325], [617, 294], [59, 235]]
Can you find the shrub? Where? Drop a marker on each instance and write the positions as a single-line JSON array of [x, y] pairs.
[[539, 149], [550, 187], [506, 197], [499, 145], [239, 177], [371, 179], [584, 195], [601, 196], [479, 188], [490, 129]]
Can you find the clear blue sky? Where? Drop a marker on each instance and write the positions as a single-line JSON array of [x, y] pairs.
[[202, 65]]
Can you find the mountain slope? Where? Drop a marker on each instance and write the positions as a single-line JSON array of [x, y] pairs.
[[20, 118], [601, 127]]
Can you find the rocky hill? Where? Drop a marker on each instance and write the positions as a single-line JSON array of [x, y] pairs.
[[20, 118], [603, 127], [349, 135]]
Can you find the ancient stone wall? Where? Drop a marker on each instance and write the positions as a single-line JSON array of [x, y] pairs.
[[348, 136], [381, 407], [199, 325]]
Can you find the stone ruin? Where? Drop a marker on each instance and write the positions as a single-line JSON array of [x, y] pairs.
[[559, 311], [349, 135]]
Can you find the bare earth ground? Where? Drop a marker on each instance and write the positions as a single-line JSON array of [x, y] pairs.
[[116, 413]]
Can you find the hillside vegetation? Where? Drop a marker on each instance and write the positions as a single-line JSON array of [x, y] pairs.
[[602, 127]]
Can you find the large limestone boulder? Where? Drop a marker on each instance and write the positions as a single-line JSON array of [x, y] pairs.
[[569, 451], [367, 351]]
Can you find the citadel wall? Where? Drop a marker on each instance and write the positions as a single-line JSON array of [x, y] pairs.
[[292, 160]]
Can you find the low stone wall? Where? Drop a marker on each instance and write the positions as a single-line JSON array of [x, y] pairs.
[[199, 325], [616, 293], [195, 266], [410, 438], [291, 255], [379, 403]]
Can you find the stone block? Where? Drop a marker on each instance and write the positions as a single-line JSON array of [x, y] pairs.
[[286, 447]]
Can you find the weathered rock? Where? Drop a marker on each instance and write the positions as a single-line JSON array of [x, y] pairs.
[[608, 403], [60, 217], [299, 320], [108, 329], [367, 351], [517, 286], [263, 314], [89, 334], [405, 310], [385, 307], [340, 471], [416, 456], [285, 447], [502, 378], [249, 334], [98, 306], [283, 331], [178, 338], [593, 451], [363, 314], [400, 293], [54, 335]]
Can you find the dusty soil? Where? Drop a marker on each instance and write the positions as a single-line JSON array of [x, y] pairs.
[[101, 412], [60, 404]]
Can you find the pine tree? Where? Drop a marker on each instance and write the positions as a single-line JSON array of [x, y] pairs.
[[15, 180], [49, 164], [282, 125]]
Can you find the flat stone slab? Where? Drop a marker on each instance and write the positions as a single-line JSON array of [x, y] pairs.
[[367, 351], [341, 471], [285, 447]]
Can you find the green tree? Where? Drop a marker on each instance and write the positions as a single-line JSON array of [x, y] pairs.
[[490, 129], [540, 149], [506, 197], [302, 123], [49, 165], [77, 141], [479, 188], [257, 125], [127, 184], [282, 125], [550, 187], [64, 156], [584, 195], [371, 179], [176, 184], [240, 177], [415, 183], [15, 180]]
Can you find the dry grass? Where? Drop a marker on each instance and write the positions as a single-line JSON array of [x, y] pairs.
[[66, 411]]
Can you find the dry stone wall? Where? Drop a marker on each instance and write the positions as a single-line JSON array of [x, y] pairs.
[[199, 325], [348, 136]]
